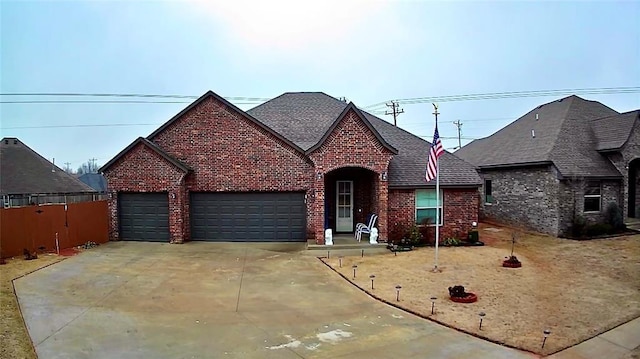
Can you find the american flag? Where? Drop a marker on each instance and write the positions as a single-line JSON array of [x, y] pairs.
[[434, 153]]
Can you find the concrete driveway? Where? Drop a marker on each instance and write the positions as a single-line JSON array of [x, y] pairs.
[[202, 300]]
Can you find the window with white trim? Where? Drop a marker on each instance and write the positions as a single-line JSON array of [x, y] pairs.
[[592, 197], [427, 205]]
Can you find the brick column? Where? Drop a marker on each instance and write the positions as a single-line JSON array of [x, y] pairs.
[[176, 214], [383, 208], [318, 210], [114, 233]]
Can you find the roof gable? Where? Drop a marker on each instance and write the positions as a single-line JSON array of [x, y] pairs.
[[24, 171], [613, 132], [211, 94], [143, 141], [307, 117], [352, 108]]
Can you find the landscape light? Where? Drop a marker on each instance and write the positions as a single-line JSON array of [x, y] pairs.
[[433, 303], [481, 314], [546, 334]]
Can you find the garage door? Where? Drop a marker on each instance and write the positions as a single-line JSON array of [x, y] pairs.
[[144, 216], [248, 217]]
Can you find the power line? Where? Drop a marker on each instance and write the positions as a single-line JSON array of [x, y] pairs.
[[513, 94], [82, 125], [104, 101], [129, 95]]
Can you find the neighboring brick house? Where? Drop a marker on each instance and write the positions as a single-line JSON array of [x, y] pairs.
[[567, 158], [283, 171], [27, 178]]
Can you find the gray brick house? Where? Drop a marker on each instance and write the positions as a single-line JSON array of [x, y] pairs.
[[567, 158]]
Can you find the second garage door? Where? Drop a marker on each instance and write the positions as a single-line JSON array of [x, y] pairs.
[[248, 217]]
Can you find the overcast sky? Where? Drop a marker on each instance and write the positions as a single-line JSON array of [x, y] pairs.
[[369, 52]]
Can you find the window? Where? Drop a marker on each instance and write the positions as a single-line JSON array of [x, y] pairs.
[[426, 206], [592, 197], [488, 197]]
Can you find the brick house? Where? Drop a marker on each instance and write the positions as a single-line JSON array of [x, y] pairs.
[[567, 158], [283, 171]]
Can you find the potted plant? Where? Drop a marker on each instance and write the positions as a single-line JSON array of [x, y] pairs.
[[511, 262], [458, 295]]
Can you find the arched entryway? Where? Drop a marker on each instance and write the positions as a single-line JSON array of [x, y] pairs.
[[634, 194], [350, 196]]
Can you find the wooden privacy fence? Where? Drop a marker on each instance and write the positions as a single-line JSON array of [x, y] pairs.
[[33, 227]]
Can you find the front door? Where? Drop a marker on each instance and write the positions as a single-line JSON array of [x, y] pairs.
[[344, 206]]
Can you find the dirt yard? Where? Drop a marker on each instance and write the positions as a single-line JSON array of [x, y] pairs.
[[13, 333], [577, 289]]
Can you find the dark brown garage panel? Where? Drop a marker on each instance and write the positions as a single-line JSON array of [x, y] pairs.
[[144, 216], [248, 217]]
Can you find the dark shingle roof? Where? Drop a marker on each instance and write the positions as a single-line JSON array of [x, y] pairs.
[[305, 117], [95, 181], [563, 136], [301, 117], [613, 132], [23, 171]]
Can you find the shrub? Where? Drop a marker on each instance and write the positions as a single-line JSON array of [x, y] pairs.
[[598, 229], [414, 236], [613, 216], [578, 226], [451, 242], [457, 291]]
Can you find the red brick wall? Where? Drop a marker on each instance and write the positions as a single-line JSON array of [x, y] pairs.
[[351, 144], [227, 153], [143, 170], [460, 210]]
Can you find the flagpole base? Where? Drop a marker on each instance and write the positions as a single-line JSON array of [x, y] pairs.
[[436, 270]]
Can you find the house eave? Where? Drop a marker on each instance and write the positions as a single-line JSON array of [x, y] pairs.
[[445, 186], [515, 165]]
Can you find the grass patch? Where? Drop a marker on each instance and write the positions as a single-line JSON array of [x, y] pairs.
[[575, 289]]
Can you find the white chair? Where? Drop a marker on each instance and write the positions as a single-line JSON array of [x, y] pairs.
[[365, 228]]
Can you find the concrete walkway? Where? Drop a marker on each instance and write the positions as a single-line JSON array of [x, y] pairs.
[[202, 300], [617, 343]]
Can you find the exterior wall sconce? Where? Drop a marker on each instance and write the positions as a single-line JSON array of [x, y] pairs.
[[383, 176], [319, 176]]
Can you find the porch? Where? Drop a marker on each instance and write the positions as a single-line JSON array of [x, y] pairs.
[[346, 244]]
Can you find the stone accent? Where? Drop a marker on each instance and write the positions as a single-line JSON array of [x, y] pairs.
[[523, 197], [622, 160]]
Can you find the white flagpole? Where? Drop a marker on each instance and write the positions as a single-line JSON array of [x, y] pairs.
[[435, 269]]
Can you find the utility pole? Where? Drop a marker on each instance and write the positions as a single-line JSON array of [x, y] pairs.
[[67, 167], [92, 165], [459, 126], [395, 111]]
